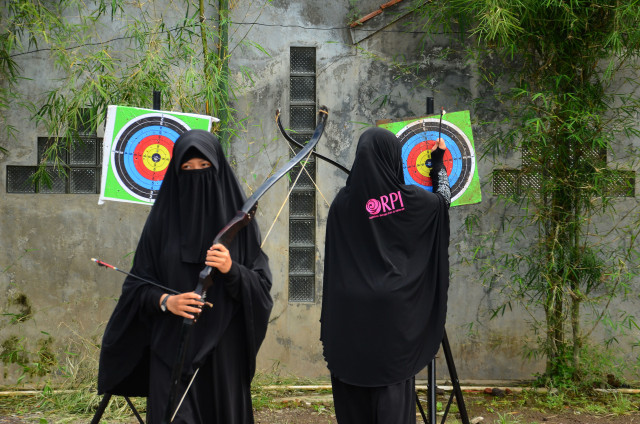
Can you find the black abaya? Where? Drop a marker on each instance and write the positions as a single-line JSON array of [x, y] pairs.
[[386, 269], [140, 342]]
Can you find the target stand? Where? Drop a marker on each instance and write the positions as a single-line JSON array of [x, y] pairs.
[[103, 406]]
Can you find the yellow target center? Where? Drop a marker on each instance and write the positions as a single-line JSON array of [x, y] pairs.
[[156, 157], [420, 163]]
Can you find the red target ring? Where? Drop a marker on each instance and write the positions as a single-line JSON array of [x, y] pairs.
[[151, 156], [416, 162]]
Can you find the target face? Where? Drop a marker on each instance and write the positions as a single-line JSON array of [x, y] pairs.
[[418, 137], [142, 153], [138, 145]]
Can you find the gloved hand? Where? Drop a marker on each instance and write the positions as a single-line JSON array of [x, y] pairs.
[[437, 154]]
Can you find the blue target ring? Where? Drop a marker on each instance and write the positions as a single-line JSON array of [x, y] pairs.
[[130, 167]]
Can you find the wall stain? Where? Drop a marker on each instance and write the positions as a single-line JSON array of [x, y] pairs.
[[285, 341], [25, 311], [13, 350]]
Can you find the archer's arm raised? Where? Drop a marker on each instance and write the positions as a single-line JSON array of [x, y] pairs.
[[439, 178]]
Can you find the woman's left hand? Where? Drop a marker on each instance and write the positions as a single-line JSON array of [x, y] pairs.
[[218, 257]]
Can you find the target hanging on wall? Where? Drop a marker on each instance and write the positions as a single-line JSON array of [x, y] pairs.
[[418, 136], [137, 148]]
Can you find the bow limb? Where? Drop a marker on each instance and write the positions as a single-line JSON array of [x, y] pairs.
[[297, 143], [284, 202], [293, 141], [225, 236]]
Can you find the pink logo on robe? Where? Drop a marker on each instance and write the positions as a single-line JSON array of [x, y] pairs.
[[386, 205]]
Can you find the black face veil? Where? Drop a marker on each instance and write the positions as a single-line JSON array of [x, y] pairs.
[[386, 270], [196, 203]]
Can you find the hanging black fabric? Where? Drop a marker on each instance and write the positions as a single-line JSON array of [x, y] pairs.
[[190, 210], [386, 270]]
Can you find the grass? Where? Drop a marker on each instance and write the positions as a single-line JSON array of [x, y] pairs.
[[273, 392], [72, 406], [268, 388], [510, 409], [506, 418]]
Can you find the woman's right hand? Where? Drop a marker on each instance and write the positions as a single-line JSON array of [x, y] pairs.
[[185, 304], [437, 153]]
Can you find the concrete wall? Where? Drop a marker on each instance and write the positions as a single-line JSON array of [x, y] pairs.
[[352, 83], [46, 241]]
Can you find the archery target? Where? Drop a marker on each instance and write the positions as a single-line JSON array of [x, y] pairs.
[[141, 155], [417, 140]]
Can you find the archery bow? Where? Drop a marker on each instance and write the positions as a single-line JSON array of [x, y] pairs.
[[344, 169], [426, 146], [225, 236], [442, 112]]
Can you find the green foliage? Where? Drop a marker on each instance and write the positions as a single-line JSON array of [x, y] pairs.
[[23, 25], [559, 83], [354, 12], [116, 52], [506, 419]]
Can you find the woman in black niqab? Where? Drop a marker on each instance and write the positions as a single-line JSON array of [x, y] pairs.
[[140, 343], [385, 278]]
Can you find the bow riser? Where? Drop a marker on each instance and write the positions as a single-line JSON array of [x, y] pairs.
[[224, 237]]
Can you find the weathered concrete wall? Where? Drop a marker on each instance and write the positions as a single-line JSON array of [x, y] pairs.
[[46, 241], [352, 83], [358, 88]]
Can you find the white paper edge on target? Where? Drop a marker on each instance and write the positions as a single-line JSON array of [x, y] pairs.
[[106, 149]]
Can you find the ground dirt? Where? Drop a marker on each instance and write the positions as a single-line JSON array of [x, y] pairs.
[[309, 408], [481, 408]]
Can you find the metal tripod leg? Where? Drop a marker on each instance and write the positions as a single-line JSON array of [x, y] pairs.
[[431, 391], [105, 402], [101, 407], [133, 408], [454, 379], [432, 388]]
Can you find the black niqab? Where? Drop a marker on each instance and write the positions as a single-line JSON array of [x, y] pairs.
[[206, 199], [386, 270]]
